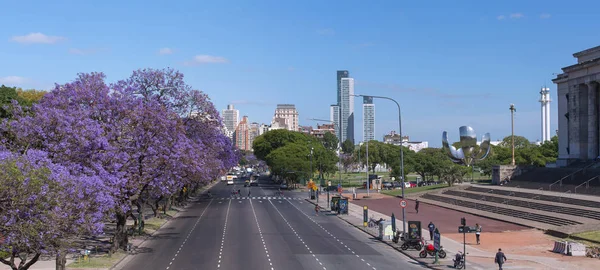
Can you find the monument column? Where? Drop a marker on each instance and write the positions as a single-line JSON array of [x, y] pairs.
[[592, 120], [574, 122]]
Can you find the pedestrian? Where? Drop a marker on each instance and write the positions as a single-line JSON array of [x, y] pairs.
[[417, 206], [477, 231], [431, 230], [248, 193], [316, 209], [239, 193], [500, 258]]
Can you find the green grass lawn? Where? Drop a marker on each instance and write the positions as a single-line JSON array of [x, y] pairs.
[[397, 192], [103, 261], [591, 235]]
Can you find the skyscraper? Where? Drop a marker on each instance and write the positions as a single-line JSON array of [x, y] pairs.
[[368, 119], [334, 116], [340, 75], [347, 109], [289, 113], [231, 118], [242, 136]]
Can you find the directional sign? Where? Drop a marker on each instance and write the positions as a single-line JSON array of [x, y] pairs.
[[403, 203]]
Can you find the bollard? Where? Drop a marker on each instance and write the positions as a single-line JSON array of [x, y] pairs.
[[365, 216]]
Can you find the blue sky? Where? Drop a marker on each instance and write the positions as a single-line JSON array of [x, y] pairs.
[[448, 63]]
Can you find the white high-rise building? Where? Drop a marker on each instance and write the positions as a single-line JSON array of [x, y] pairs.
[[545, 101], [368, 119], [231, 118], [289, 113], [334, 116], [347, 109]]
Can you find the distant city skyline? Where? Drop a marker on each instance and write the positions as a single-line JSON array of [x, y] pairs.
[[464, 63]]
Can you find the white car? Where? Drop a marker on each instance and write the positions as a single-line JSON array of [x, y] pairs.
[[229, 182]]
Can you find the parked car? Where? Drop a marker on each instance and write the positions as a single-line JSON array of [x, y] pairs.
[[397, 185], [387, 185], [283, 186]]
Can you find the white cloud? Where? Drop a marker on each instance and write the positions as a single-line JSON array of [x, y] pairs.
[[545, 16], [37, 38], [517, 15], [500, 17], [165, 51], [207, 59], [12, 80], [326, 32]]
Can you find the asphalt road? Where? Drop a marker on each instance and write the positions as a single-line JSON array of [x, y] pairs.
[[263, 232]]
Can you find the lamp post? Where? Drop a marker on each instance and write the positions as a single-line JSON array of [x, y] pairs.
[[368, 184], [401, 151], [512, 127]]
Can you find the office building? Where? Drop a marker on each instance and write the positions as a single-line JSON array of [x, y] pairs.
[[368, 119], [231, 118], [347, 109], [289, 114], [242, 136], [334, 117]]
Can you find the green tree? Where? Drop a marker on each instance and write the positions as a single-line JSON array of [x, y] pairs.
[[290, 161], [7, 95], [347, 147], [454, 173], [330, 141], [270, 141], [520, 142]]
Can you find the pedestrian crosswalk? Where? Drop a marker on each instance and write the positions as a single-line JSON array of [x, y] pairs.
[[259, 198]]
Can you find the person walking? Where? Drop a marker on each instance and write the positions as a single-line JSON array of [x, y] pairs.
[[431, 227], [417, 206], [316, 209], [477, 231], [500, 258]]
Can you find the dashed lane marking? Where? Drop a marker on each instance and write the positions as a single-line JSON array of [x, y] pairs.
[[261, 237], [329, 233], [190, 233], [224, 233], [297, 235]]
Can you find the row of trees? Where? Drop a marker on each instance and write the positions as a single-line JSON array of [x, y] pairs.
[[288, 154], [89, 152]]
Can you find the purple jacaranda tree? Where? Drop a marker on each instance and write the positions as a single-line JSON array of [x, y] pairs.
[[43, 208]]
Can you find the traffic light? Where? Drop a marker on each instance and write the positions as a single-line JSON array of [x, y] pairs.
[[463, 221]]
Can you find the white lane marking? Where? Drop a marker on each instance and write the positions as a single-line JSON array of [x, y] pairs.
[[296, 233], [224, 233], [341, 243], [261, 236], [190, 233]]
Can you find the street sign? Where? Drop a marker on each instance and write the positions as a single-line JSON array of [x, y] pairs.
[[436, 239], [403, 203]]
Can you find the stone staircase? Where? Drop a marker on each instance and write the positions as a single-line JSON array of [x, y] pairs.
[[532, 208]]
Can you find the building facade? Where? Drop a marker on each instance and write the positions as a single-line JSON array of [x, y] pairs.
[[231, 118], [253, 132], [578, 108], [394, 138], [368, 119], [320, 131], [334, 117], [289, 114], [242, 136], [347, 109]]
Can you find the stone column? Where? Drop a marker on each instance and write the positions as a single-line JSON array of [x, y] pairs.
[[592, 120], [574, 122]]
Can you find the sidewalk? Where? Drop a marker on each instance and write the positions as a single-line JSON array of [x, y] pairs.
[[476, 259]]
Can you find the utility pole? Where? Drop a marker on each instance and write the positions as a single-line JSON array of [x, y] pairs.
[[368, 169], [512, 127]]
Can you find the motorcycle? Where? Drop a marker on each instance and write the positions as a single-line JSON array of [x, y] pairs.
[[460, 263], [430, 250], [406, 243]]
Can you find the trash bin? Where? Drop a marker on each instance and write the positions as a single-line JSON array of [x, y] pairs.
[[343, 206]]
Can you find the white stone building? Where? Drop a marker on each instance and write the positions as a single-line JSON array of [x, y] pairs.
[[289, 114], [577, 97]]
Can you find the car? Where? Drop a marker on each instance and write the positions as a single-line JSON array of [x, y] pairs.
[[229, 182], [283, 186], [254, 184], [387, 185]]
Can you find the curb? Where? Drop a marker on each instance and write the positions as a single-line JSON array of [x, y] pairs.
[[417, 259], [161, 226]]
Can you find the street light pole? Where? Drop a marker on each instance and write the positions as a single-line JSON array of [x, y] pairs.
[[368, 184], [401, 152], [512, 127]]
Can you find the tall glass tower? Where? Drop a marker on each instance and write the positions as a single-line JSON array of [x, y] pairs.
[[347, 109], [368, 119]]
